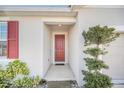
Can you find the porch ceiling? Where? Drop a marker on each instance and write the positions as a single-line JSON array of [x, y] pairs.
[[59, 20]]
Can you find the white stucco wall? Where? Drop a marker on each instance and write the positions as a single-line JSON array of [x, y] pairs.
[[47, 49], [74, 52], [105, 16], [115, 59], [31, 44], [91, 17]]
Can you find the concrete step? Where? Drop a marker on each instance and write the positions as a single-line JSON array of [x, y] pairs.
[[60, 84]]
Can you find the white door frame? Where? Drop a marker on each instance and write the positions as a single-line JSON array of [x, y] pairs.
[[66, 47]]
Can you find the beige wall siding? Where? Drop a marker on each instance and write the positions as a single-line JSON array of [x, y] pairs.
[[31, 44], [115, 59], [47, 49], [74, 52]]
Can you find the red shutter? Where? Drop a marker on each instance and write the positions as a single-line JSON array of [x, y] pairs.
[[12, 45]]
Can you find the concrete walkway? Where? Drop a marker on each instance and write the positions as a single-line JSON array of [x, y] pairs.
[[59, 73], [118, 86]]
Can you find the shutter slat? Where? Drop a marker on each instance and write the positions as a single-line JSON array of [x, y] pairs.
[[12, 45]]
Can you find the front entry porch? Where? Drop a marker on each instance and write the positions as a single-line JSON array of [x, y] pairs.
[[60, 63], [59, 73], [60, 76]]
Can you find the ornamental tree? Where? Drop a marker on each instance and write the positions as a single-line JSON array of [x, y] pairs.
[[95, 38]]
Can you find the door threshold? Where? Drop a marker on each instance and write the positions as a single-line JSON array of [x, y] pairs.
[[60, 64]]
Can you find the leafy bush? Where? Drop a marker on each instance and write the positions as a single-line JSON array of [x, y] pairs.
[[97, 36], [95, 51], [95, 80], [3, 81], [2, 74], [93, 64], [14, 69], [26, 82]]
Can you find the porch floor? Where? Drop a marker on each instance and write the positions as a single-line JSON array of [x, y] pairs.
[[59, 73]]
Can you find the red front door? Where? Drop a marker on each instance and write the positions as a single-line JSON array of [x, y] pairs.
[[59, 48]]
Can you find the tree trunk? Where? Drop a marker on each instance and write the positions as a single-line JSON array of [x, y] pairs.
[[100, 57]]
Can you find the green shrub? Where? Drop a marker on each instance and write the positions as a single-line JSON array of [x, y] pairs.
[[36, 81], [95, 80], [14, 69], [95, 64], [95, 51], [2, 74], [26, 82], [3, 81], [97, 36]]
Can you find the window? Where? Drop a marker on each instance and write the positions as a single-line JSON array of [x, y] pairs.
[[3, 39]]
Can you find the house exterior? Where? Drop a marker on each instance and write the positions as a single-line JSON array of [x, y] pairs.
[[45, 35]]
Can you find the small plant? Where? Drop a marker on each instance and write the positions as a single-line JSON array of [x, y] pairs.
[[3, 83], [36, 81], [97, 36], [26, 82], [14, 69]]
